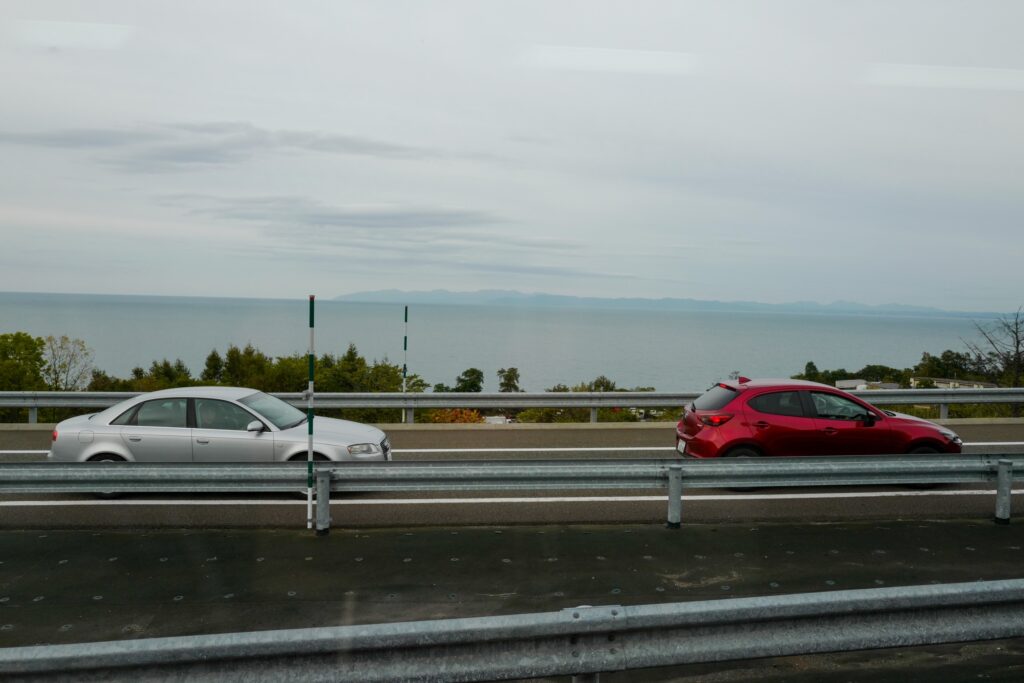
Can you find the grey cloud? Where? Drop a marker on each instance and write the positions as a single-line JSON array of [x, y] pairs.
[[82, 138], [181, 146], [299, 211], [392, 260], [229, 132], [427, 236]]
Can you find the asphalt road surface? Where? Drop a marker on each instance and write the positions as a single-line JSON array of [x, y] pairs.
[[67, 586]]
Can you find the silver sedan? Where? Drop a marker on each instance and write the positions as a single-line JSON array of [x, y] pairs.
[[211, 424]]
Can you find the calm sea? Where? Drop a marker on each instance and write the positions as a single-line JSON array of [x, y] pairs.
[[677, 351]]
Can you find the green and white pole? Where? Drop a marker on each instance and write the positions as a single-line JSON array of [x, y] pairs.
[[405, 355], [405, 348], [309, 422]]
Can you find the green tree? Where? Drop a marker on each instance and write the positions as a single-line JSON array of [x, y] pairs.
[[101, 381], [598, 384], [471, 380], [213, 372], [508, 380], [810, 373], [247, 367], [21, 369], [415, 384], [349, 373], [162, 374], [949, 364]]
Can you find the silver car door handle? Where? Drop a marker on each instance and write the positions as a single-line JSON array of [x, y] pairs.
[[202, 441], [135, 438]]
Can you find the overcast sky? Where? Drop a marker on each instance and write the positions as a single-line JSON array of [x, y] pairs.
[[770, 151]]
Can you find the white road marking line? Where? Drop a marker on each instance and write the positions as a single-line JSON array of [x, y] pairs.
[[580, 449], [498, 501], [611, 448], [533, 450]]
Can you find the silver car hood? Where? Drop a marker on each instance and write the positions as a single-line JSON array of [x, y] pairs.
[[333, 430]]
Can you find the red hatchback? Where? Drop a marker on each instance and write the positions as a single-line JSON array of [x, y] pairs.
[[748, 418]]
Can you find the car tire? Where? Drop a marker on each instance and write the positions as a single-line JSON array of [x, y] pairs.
[[743, 452], [107, 457], [317, 457], [923, 450]]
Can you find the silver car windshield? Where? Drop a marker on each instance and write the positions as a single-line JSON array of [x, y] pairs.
[[279, 413]]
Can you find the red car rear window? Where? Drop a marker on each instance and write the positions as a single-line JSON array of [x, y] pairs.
[[715, 398]]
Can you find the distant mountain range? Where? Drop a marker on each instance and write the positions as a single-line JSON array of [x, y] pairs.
[[503, 297]]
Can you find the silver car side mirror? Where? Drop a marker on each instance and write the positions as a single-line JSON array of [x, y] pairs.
[[254, 426]]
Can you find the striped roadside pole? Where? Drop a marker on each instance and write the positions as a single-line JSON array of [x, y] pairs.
[[309, 422], [405, 356]]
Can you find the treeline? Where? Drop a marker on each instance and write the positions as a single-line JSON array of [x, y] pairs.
[[996, 357], [949, 364], [30, 363], [952, 365]]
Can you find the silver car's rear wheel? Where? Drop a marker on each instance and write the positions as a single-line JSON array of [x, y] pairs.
[[743, 452], [104, 458]]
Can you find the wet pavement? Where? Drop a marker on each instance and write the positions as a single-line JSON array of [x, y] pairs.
[[78, 586]]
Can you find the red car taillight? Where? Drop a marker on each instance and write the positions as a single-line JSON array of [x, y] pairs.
[[54, 434], [715, 420]]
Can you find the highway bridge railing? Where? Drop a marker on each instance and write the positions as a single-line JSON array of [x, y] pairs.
[[411, 402], [582, 642], [671, 475]]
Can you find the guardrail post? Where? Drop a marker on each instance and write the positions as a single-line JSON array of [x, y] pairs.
[[593, 414], [323, 502], [943, 411], [33, 415], [1004, 481], [410, 415], [675, 496]]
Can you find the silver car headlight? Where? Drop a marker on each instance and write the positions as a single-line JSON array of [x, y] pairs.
[[364, 449], [952, 436]]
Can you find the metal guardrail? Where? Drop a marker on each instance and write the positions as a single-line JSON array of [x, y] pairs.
[[671, 474], [581, 641], [410, 402]]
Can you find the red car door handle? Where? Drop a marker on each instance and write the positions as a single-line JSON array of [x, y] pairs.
[[830, 430], [761, 424]]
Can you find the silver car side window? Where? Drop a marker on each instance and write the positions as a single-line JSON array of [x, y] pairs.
[[213, 414], [167, 412], [127, 417]]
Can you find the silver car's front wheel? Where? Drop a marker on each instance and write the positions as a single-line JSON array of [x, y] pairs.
[[317, 457]]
